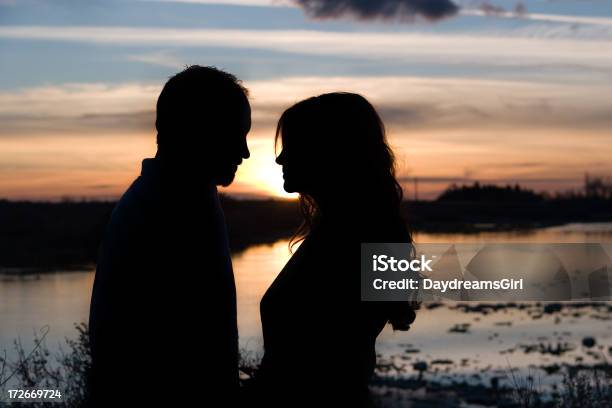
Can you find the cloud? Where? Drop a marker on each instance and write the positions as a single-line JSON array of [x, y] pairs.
[[405, 103], [499, 130], [248, 3], [78, 108], [496, 56], [446, 49], [77, 99], [398, 10], [28, 124], [403, 10], [488, 10], [160, 58]]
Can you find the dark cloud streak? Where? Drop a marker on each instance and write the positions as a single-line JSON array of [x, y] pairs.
[[26, 124], [401, 10]]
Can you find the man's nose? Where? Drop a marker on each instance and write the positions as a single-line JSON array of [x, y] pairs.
[[245, 151]]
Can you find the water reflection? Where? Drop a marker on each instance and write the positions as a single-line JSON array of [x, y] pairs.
[[29, 303], [61, 299], [569, 233], [254, 270]]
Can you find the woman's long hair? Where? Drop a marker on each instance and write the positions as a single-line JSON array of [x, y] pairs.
[[347, 126]]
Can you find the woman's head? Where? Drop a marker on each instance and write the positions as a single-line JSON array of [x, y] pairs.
[[331, 143], [334, 146], [335, 154]]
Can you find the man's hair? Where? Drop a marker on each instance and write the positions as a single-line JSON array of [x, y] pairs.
[[196, 93]]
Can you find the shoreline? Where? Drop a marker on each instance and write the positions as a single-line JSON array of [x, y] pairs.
[[67, 235], [79, 266]]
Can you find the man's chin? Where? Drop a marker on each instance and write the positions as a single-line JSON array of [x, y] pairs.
[[225, 179]]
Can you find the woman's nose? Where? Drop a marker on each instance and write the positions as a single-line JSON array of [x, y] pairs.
[[281, 158]]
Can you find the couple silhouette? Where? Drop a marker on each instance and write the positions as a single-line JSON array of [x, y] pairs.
[[163, 310]]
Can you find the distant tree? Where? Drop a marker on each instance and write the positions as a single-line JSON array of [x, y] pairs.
[[489, 193], [597, 187]]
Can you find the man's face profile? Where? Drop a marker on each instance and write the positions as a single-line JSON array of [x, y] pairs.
[[226, 145], [203, 117]]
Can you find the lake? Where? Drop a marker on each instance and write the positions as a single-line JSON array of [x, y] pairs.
[[508, 337]]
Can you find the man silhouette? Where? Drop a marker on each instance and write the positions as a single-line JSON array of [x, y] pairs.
[[163, 309]]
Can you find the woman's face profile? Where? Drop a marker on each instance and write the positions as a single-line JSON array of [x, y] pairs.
[[303, 170], [292, 172]]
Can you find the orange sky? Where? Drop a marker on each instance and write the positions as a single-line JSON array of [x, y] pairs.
[[501, 98], [442, 131]]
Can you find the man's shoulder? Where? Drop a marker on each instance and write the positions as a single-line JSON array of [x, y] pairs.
[[159, 200], [133, 205], [133, 197]]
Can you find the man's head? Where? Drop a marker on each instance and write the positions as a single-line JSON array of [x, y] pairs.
[[203, 117]]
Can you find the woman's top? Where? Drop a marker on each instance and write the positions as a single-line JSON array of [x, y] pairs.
[[319, 338]]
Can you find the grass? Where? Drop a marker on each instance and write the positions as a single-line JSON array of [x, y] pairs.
[[69, 371]]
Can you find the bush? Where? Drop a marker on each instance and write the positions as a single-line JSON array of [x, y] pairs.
[[67, 371]]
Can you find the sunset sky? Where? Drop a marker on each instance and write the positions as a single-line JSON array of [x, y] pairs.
[[500, 92]]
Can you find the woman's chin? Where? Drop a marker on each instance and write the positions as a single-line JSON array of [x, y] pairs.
[[288, 187]]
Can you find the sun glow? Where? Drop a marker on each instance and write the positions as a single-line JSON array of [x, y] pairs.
[[259, 175]]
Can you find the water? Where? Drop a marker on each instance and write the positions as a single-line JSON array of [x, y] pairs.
[[58, 300]]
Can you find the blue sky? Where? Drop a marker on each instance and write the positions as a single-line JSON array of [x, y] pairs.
[[503, 97]]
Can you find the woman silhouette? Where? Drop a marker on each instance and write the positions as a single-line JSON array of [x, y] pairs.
[[319, 337]]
